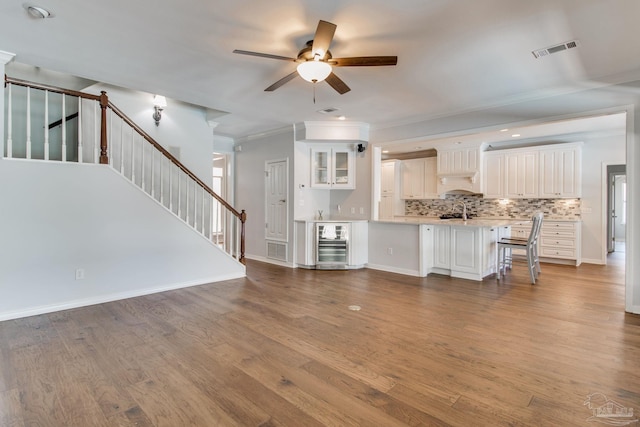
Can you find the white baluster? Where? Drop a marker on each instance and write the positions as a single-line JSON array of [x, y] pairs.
[[96, 139], [171, 186], [122, 147], [64, 130], [186, 200], [133, 157], [79, 130], [9, 125], [28, 122], [179, 195], [202, 212], [46, 125], [162, 180], [153, 178], [142, 169]]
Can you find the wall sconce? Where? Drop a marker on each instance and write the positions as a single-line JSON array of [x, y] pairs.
[[159, 102]]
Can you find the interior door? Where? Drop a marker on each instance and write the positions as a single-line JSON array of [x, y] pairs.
[[613, 171], [277, 205]]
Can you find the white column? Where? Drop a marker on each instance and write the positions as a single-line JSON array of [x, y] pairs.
[[5, 58]]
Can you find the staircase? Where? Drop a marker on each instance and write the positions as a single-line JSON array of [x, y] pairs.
[[84, 128]]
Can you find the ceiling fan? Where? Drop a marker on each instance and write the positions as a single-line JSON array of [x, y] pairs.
[[315, 61]]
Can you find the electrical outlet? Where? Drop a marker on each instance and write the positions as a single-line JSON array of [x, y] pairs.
[[353, 210], [361, 211], [390, 251], [80, 274]]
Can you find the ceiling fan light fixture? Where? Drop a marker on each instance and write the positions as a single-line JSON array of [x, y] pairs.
[[314, 71]]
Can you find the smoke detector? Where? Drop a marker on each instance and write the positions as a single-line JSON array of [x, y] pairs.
[[37, 12], [556, 48]]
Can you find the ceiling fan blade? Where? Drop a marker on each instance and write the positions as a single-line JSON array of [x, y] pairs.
[[263, 55], [323, 37], [281, 82], [364, 61], [337, 83]]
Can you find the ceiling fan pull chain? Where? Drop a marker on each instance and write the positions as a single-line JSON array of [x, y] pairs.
[[314, 92]]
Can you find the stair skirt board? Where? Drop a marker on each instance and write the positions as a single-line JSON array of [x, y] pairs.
[[277, 250]]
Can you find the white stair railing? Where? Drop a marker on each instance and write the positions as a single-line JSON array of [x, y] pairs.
[[104, 134]]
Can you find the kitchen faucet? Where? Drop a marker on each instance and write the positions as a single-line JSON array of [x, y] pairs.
[[464, 210]]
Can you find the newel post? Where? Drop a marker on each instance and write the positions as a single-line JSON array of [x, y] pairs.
[[104, 102], [243, 219]]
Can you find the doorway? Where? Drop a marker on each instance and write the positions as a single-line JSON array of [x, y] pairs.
[[277, 209], [616, 208]]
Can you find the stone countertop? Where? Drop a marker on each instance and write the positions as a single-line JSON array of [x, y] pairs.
[[333, 219], [474, 222]]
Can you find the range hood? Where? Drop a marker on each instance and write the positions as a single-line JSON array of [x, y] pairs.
[[460, 169]]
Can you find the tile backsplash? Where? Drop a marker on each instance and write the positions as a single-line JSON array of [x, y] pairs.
[[502, 208]]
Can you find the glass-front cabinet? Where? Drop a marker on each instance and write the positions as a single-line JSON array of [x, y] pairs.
[[332, 168]]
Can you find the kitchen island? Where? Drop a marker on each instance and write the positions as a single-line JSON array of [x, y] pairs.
[[423, 245]]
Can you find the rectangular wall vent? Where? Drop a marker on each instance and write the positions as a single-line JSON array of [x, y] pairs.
[[277, 250], [556, 48]]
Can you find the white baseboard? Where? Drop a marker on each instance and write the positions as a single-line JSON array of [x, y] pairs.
[[593, 261], [101, 299], [634, 309], [269, 260], [390, 269]]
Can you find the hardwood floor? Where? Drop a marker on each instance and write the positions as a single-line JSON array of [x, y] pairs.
[[282, 348]]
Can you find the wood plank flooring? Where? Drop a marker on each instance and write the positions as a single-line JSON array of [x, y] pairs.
[[282, 348]]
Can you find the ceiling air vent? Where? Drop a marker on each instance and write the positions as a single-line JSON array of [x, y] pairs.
[[555, 49], [328, 110]]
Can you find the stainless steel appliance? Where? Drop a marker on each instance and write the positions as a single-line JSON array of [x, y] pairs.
[[333, 245]]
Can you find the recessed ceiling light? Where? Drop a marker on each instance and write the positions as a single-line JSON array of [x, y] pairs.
[[418, 148], [341, 117], [385, 151], [515, 135], [37, 11], [504, 130]]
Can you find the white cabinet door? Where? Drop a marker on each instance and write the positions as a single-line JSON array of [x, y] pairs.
[[332, 168], [385, 210], [387, 177], [413, 179], [493, 175], [430, 190], [442, 246], [427, 233], [465, 249], [521, 173], [560, 173]]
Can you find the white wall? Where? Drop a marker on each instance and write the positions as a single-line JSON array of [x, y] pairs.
[[597, 151], [57, 218], [250, 187], [182, 125], [404, 241]]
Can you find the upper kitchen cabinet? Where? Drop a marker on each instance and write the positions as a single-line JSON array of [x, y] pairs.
[[550, 171], [419, 179], [561, 171], [521, 174], [459, 169], [333, 167]]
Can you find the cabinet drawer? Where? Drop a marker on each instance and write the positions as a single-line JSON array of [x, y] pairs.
[[558, 252], [557, 242], [559, 232], [558, 225]]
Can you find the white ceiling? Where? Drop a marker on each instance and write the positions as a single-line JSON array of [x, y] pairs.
[[453, 55]]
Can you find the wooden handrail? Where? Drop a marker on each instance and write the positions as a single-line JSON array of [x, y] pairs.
[[104, 159], [175, 161], [55, 89]]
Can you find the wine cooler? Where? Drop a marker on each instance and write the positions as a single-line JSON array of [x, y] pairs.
[[333, 245]]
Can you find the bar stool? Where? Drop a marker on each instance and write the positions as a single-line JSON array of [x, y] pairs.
[[530, 245]]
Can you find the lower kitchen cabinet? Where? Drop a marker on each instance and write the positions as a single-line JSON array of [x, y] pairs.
[[560, 241], [306, 238], [464, 251]]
